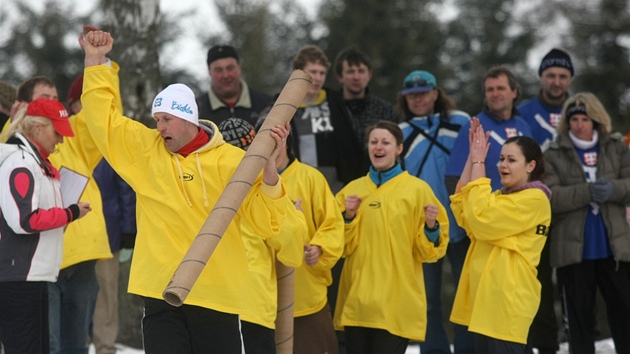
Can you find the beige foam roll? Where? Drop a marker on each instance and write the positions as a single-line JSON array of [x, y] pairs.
[[237, 188], [284, 317]]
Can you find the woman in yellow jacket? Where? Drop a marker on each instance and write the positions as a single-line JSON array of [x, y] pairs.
[[394, 223], [498, 293]]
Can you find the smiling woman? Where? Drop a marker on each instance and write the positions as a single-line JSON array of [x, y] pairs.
[[507, 229], [589, 174], [387, 213]]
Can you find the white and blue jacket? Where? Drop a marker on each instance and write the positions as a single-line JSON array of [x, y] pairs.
[[428, 142]]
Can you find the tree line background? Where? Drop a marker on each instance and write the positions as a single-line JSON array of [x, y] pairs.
[[457, 40]]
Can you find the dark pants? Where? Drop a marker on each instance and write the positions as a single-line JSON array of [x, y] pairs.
[[24, 317], [362, 340], [258, 339], [188, 329], [71, 303], [578, 285], [543, 333], [436, 341], [488, 345]]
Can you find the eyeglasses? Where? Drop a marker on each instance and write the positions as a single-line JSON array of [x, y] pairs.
[[418, 82]]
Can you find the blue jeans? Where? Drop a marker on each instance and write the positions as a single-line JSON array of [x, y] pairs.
[[71, 303], [436, 341]]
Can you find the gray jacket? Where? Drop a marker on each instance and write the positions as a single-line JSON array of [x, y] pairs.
[[571, 197]]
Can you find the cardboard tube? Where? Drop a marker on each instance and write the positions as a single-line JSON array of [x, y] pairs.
[[237, 188], [284, 317]]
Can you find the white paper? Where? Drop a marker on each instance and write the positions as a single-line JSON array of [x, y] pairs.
[[72, 186]]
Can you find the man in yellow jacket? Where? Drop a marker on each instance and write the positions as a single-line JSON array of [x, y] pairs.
[[178, 172]]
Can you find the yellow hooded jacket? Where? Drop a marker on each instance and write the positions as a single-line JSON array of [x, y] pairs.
[[86, 238], [382, 282], [175, 195], [498, 292]]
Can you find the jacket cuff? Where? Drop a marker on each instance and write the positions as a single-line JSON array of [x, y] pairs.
[[73, 212], [273, 192]]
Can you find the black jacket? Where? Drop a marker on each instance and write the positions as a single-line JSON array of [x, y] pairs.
[[258, 100], [340, 147]]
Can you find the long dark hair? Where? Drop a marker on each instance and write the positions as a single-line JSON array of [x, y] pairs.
[[532, 152]]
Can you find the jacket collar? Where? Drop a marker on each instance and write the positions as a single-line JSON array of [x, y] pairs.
[[244, 100]]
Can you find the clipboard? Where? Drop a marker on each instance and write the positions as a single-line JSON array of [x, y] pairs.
[[72, 185]]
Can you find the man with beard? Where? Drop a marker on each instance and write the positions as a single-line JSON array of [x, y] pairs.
[[229, 95], [542, 112]]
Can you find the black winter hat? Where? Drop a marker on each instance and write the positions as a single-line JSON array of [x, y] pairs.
[[557, 58], [221, 51]]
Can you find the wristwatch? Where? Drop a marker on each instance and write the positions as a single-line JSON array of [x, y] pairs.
[[435, 227]]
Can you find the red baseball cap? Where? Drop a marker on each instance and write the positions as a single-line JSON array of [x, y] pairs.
[[74, 94], [53, 110]]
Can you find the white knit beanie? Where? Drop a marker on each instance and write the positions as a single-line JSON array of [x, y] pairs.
[[178, 100]]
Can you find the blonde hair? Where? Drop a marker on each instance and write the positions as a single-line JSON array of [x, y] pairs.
[[594, 110], [24, 124]]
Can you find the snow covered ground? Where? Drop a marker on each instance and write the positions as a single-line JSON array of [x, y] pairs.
[[605, 346]]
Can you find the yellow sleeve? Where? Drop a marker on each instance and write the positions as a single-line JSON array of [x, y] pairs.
[[5, 129], [350, 229], [289, 242], [120, 139], [425, 250], [493, 217], [329, 233]]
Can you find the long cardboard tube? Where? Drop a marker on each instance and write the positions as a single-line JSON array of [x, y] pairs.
[[237, 188], [284, 316]]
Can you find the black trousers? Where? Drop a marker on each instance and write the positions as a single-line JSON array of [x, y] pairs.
[[578, 284], [543, 333], [24, 317], [188, 329], [363, 340], [258, 339], [488, 345]]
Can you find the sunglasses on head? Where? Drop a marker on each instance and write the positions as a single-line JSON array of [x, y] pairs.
[[416, 82]]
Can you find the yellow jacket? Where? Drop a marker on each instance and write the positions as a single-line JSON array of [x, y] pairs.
[[261, 289], [85, 239], [5, 129], [325, 229], [175, 195], [382, 282], [498, 293]]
